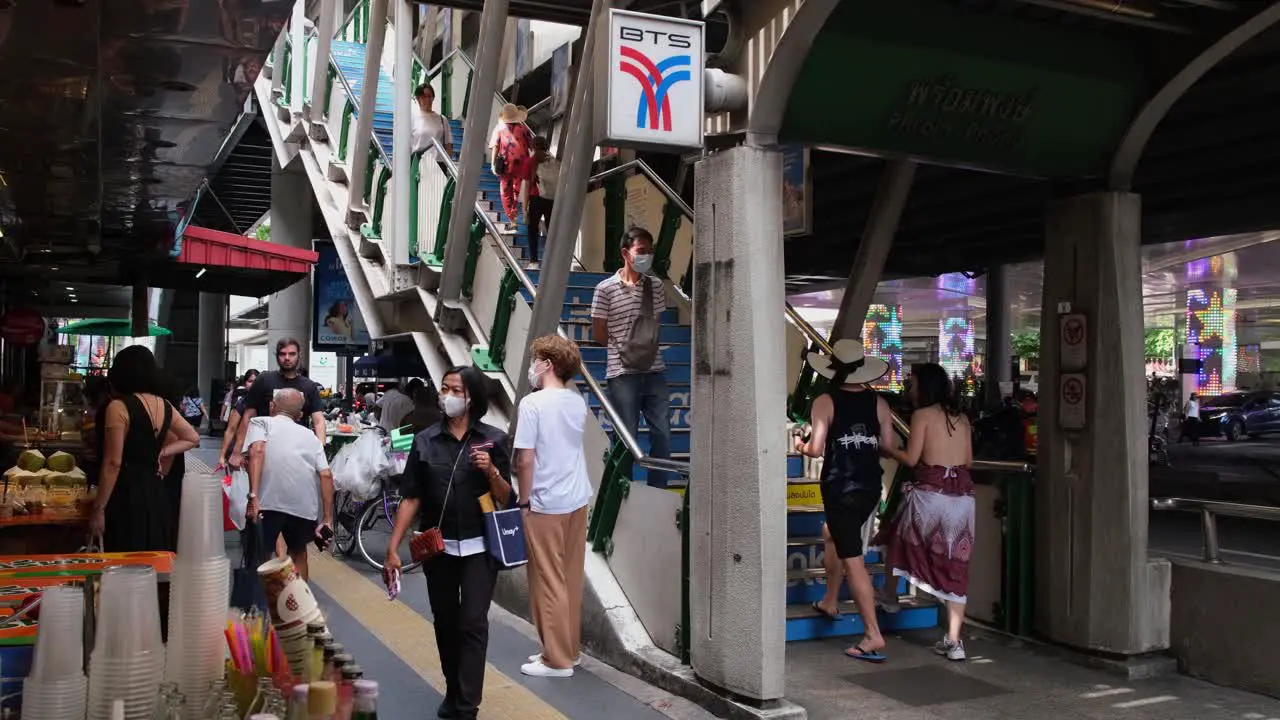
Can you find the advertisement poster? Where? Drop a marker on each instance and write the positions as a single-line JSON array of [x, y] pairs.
[[797, 200], [524, 47], [560, 80], [338, 320]]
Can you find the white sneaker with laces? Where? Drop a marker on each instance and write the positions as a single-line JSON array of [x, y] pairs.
[[537, 657], [538, 669], [950, 650]]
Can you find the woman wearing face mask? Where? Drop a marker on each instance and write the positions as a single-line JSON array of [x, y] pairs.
[[554, 492], [452, 465]]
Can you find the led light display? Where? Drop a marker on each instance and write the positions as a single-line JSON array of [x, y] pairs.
[[1211, 324], [955, 345], [882, 338], [1249, 359]]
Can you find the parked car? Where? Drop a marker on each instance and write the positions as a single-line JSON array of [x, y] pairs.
[[1241, 414]]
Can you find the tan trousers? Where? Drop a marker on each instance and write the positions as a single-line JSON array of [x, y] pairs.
[[557, 556]]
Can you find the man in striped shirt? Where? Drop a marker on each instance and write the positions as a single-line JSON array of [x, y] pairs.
[[614, 310]]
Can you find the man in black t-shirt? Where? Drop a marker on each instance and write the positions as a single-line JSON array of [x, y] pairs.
[[257, 403]]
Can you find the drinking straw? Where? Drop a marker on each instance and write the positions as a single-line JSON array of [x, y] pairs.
[[231, 645], [242, 635], [281, 663]]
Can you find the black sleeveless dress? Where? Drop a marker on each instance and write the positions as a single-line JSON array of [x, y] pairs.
[[851, 475], [140, 514]]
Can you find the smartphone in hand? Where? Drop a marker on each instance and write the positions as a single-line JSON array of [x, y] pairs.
[[323, 535]]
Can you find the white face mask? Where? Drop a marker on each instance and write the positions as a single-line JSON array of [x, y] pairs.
[[535, 375], [642, 263], [453, 405]]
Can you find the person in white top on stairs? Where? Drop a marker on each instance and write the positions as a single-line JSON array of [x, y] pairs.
[[554, 492], [429, 124]]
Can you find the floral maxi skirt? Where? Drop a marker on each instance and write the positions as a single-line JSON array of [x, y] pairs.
[[929, 540]]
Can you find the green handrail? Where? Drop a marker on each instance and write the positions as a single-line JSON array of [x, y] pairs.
[[466, 98], [415, 181], [287, 82], [672, 216], [348, 111], [373, 228], [368, 174], [446, 89], [494, 357], [473, 257], [615, 487], [615, 220], [436, 258], [328, 90]]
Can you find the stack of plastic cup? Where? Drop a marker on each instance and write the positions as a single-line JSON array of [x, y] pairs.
[[199, 594], [57, 688], [128, 656]]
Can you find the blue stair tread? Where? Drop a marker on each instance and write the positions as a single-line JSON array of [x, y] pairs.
[[803, 623]]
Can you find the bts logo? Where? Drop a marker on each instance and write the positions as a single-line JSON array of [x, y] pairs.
[[653, 112]]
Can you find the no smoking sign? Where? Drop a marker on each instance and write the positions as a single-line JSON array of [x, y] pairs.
[[1072, 390], [1073, 348]]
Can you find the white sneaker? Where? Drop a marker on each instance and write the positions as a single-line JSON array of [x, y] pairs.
[[538, 669], [951, 650], [537, 657]]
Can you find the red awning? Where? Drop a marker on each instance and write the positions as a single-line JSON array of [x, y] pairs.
[[220, 262]]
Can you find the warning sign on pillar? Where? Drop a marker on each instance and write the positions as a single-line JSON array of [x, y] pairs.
[[1071, 401], [1072, 348]]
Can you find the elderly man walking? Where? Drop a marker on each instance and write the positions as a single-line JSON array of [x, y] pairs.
[[290, 486]]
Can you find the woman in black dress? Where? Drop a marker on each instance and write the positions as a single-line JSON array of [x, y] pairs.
[[143, 435]]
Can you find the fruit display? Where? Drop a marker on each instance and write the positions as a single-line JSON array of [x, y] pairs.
[[31, 460], [61, 462]]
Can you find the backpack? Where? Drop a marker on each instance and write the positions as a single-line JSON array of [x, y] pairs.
[[640, 350]]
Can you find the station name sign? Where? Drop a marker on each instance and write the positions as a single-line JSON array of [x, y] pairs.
[[649, 82]]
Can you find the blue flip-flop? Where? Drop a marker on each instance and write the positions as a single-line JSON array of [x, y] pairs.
[[832, 616], [871, 656]]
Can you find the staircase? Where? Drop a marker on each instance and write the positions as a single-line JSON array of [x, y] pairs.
[[805, 577]]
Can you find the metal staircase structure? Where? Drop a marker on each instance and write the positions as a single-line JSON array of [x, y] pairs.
[[635, 563]]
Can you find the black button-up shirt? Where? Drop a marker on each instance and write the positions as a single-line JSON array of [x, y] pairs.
[[435, 459]]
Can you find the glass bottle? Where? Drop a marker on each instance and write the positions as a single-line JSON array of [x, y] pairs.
[[229, 712], [352, 672], [298, 703], [322, 700], [366, 702], [340, 660]]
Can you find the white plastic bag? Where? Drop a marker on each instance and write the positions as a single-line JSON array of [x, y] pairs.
[[237, 497], [360, 467]]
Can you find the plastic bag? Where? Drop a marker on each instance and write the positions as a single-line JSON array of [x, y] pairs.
[[237, 492], [360, 467]]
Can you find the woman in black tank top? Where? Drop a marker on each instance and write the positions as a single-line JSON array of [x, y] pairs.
[[852, 426]]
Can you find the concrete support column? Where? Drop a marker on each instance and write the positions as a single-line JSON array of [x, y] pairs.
[[368, 102], [475, 139], [289, 314], [1095, 586], [737, 587], [571, 197], [873, 249], [211, 349], [139, 310], [277, 65], [298, 39], [999, 333], [320, 68], [402, 132]]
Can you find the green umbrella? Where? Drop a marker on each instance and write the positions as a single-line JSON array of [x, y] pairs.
[[107, 327]]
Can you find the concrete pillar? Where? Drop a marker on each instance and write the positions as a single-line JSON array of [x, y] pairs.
[[289, 314], [475, 140], [1095, 586], [737, 587], [325, 29], [298, 39], [368, 102], [873, 249], [402, 132], [999, 333], [211, 349]]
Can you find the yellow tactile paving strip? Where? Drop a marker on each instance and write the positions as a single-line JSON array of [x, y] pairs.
[[412, 638]]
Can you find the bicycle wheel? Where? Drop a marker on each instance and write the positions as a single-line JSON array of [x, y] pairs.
[[373, 533], [346, 512]]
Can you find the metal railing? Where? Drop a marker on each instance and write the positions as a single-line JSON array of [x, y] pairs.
[[494, 237], [1209, 511]]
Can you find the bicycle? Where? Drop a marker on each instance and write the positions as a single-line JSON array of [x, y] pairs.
[[358, 522]]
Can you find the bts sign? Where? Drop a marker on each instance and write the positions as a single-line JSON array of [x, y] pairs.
[[649, 82]]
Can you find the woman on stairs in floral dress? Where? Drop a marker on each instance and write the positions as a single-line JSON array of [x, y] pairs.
[[929, 540]]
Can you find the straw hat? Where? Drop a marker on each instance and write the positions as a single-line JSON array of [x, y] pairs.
[[513, 113], [848, 357]]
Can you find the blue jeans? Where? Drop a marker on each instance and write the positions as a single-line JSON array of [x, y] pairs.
[[645, 394]]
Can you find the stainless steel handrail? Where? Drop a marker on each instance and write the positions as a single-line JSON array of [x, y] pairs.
[[495, 239], [1209, 511]]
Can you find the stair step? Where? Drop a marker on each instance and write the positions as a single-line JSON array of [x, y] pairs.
[[805, 623]]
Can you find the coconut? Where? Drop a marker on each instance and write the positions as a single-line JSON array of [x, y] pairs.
[[31, 460], [61, 462]]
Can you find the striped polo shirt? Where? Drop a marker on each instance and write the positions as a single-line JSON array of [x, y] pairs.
[[619, 303]]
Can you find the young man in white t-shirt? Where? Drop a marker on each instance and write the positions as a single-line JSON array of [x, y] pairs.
[[290, 486], [554, 493]]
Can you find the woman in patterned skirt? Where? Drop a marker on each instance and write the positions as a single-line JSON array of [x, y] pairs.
[[930, 538]]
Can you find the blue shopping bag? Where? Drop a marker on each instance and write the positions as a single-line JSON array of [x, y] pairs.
[[504, 536]]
